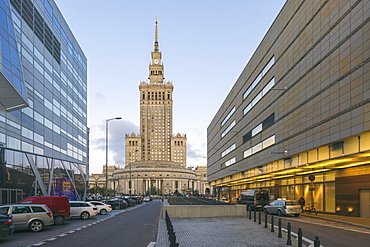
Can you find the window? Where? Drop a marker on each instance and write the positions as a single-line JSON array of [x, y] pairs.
[[262, 145], [228, 116], [37, 209], [21, 210], [256, 130], [259, 96], [228, 150], [259, 77], [228, 129]]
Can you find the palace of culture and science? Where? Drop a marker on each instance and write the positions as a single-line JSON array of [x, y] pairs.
[[156, 158]]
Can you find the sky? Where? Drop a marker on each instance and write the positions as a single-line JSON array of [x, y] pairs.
[[205, 45]]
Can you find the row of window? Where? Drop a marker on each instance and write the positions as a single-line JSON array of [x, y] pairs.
[[256, 148], [228, 129], [156, 96], [262, 145], [259, 96], [30, 52], [228, 150], [34, 20], [260, 127], [74, 53], [259, 77], [228, 116]]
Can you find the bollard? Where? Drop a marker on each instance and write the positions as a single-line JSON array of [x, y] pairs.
[[255, 212], [172, 240], [300, 236], [289, 238], [272, 223], [280, 235], [265, 220], [316, 242], [250, 214], [259, 217]]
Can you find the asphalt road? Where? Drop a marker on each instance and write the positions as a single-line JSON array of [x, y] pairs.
[[135, 226]]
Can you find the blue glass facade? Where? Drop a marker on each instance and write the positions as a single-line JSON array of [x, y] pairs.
[[43, 106]]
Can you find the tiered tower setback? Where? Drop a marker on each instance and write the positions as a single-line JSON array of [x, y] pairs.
[[156, 141]]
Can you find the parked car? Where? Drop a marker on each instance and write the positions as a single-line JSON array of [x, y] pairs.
[[130, 202], [137, 199], [33, 216], [82, 209], [283, 207], [102, 207], [59, 206], [147, 199], [117, 203], [6, 226], [254, 199]]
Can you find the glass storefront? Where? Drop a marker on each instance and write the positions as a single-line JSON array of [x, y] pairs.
[[29, 175]]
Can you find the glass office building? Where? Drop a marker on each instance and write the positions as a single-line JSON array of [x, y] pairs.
[[43, 108]]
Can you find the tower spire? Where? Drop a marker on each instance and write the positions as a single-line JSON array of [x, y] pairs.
[[156, 36]]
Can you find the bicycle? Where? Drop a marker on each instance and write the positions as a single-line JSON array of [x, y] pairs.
[[311, 208]]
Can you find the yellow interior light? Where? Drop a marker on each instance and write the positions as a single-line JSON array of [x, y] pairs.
[[353, 164]]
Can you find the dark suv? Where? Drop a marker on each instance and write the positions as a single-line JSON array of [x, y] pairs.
[[117, 203]]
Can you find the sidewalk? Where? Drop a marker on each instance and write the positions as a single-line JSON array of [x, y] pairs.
[[236, 231], [219, 232]]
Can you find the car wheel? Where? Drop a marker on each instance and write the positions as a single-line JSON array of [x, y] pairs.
[[85, 215], [58, 220], [36, 225], [116, 207], [279, 213], [296, 215], [103, 211]]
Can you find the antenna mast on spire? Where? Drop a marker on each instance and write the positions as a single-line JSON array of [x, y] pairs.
[[156, 36]]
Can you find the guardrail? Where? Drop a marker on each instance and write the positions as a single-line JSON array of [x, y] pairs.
[[280, 235]]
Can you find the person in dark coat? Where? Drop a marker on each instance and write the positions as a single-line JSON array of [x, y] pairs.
[[302, 202]]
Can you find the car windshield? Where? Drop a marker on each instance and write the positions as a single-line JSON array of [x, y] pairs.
[[262, 196]]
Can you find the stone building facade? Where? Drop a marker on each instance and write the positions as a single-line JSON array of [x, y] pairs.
[[156, 158]]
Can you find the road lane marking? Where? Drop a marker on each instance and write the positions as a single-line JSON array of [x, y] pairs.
[[85, 226]]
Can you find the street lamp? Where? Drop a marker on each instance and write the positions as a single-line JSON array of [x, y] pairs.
[[106, 153]]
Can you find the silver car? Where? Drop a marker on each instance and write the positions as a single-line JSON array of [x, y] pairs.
[[33, 217], [283, 207]]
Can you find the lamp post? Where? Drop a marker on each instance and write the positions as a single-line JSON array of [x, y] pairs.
[[106, 153]]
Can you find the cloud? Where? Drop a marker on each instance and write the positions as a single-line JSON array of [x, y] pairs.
[[100, 97], [194, 152], [117, 130]]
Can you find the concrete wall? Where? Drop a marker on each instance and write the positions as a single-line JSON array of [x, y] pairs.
[[199, 211]]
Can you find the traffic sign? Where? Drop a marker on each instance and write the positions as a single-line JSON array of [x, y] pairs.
[[311, 177]]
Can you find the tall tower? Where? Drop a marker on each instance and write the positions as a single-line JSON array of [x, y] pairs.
[[156, 141]]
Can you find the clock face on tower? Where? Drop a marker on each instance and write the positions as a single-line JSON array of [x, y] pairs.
[[156, 61]]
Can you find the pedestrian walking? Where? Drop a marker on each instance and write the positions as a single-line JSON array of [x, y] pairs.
[[302, 202]]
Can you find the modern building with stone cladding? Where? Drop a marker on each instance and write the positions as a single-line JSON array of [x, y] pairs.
[[297, 120]]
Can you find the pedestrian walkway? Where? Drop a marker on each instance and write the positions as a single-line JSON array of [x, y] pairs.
[[236, 231], [220, 232]]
